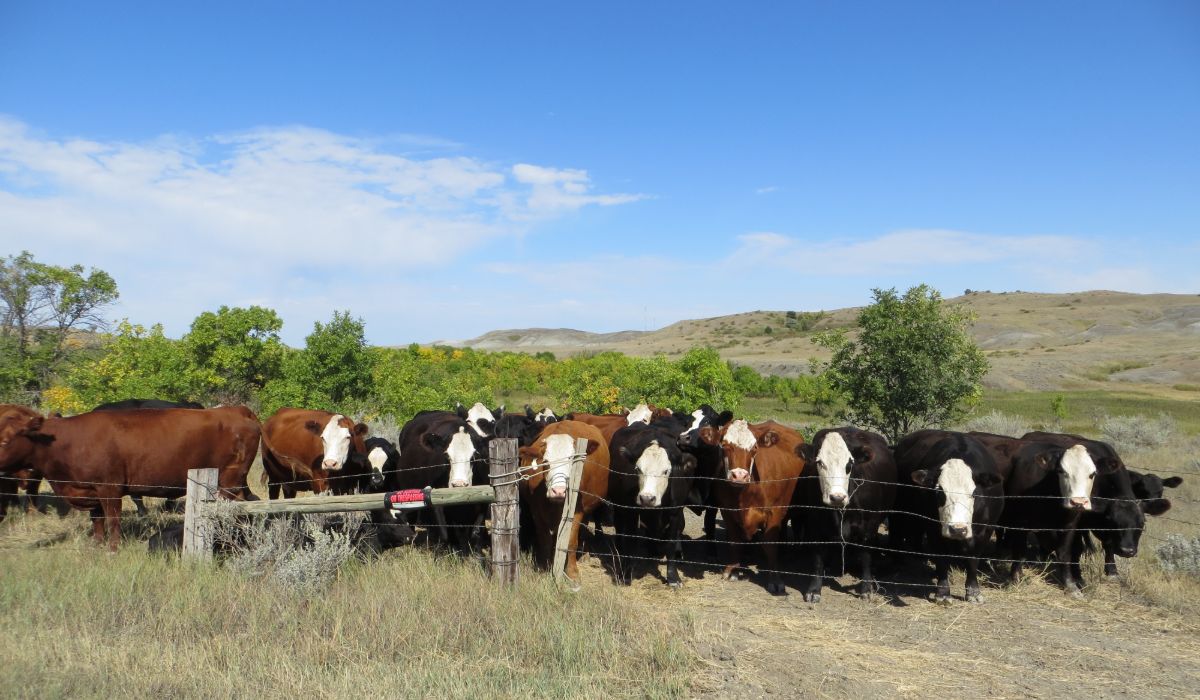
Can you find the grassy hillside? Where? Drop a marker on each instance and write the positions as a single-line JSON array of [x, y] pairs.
[[1089, 340]]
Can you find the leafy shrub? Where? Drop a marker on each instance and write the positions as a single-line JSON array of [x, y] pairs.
[[1134, 433], [998, 423], [1180, 554]]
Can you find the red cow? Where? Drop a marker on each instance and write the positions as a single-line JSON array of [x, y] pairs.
[[314, 451]]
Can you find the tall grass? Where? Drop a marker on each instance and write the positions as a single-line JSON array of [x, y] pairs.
[[412, 624]]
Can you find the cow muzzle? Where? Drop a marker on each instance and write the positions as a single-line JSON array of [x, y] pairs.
[[330, 464], [647, 500], [459, 483], [556, 493], [838, 500], [376, 479], [739, 476], [1076, 503], [958, 532]]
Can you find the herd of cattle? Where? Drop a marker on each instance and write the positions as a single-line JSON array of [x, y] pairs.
[[948, 496]]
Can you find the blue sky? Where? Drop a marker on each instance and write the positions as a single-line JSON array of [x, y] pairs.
[[443, 170]]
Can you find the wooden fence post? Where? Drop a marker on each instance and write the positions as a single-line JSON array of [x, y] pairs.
[[563, 541], [197, 528], [506, 519]]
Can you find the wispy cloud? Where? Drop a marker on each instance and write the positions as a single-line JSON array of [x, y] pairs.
[[271, 211], [767, 190]]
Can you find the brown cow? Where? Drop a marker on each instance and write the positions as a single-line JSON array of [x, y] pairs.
[[610, 423], [761, 471], [94, 459], [314, 451], [547, 465]]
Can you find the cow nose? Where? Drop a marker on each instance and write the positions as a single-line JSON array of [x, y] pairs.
[[1127, 552], [739, 475], [647, 499], [459, 483], [376, 479], [958, 532], [837, 499], [330, 464], [1084, 503], [557, 493]]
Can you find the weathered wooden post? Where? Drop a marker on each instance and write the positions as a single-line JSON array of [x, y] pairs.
[[563, 541], [197, 528], [506, 519]]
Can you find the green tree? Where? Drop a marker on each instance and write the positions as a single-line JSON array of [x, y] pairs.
[[235, 352], [40, 307], [335, 367], [913, 364], [135, 363]]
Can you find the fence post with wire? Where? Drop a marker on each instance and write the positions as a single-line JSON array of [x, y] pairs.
[[562, 542], [506, 518]]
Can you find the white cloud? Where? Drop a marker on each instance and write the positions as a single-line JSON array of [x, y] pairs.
[[767, 190], [273, 214]]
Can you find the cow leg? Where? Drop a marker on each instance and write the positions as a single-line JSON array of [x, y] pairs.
[[942, 594], [111, 509], [1110, 561], [1063, 554], [141, 506], [735, 539], [97, 515], [1018, 544], [866, 585], [625, 521], [816, 576], [974, 595], [573, 550], [8, 494], [771, 552], [710, 528], [674, 548]]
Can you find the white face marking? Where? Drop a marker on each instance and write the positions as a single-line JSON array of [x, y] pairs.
[[478, 412], [377, 457], [335, 441], [641, 414], [560, 450], [697, 419], [460, 451], [545, 416], [654, 468], [957, 483], [833, 469], [1078, 473], [738, 434]]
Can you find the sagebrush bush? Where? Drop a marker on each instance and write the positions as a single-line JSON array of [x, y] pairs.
[[303, 553], [1180, 554], [998, 423], [1136, 433]]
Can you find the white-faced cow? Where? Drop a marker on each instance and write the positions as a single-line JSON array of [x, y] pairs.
[[441, 450], [318, 451], [649, 481], [855, 487], [955, 494]]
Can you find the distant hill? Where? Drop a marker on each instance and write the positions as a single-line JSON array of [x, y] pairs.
[[1084, 340]]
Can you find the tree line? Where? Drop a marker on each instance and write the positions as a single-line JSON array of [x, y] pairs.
[[909, 362]]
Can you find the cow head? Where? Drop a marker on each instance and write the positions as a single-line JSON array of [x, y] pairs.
[[655, 465], [550, 460], [703, 417], [19, 428], [640, 414], [378, 459], [835, 461], [481, 420], [336, 437], [546, 417], [1076, 474], [739, 446], [956, 487]]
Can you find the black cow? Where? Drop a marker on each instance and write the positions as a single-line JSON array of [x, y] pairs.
[[440, 449], [1117, 510], [959, 496], [171, 504], [649, 480], [853, 488], [525, 427], [701, 439]]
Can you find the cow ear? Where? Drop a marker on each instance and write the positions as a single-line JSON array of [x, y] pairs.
[[313, 427], [32, 427], [498, 413], [708, 435], [1156, 506], [526, 455], [986, 480], [688, 464], [920, 476], [529, 412], [723, 418], [768, 438], [1107, 465], [863, 455], [1172, 482], [592, 446], [460, 410], [1047, 460], [433, 441], [624, 451], [805, 451], [361, 430]]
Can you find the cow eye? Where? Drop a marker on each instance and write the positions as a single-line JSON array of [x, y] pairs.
[[1091, 476]]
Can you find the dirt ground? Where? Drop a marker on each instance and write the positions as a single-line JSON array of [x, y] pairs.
[[1029, 640]]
